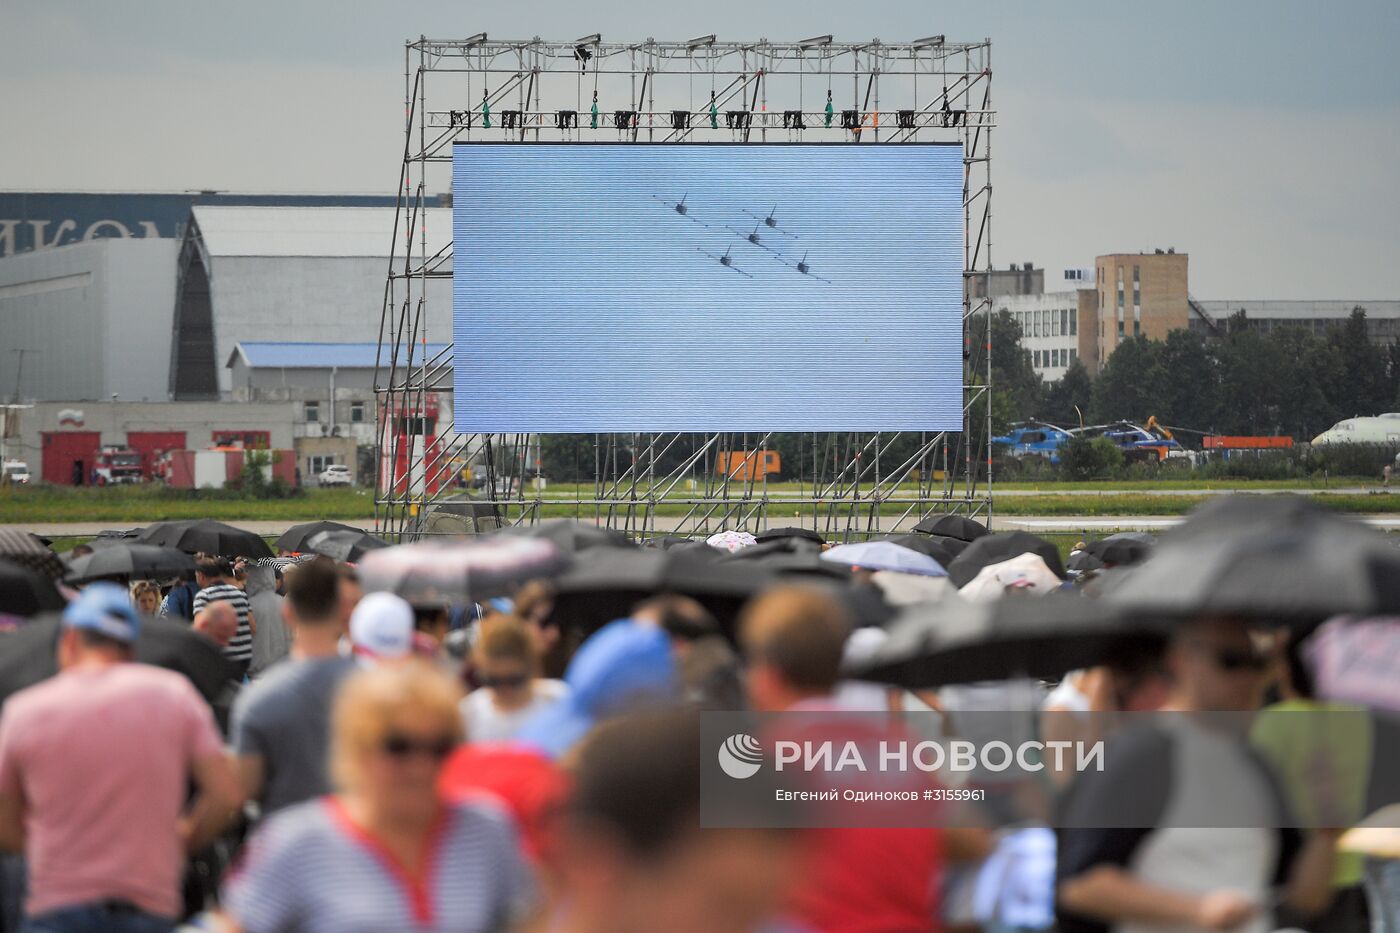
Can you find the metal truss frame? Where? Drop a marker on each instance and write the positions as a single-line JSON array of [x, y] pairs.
[[539, 90]]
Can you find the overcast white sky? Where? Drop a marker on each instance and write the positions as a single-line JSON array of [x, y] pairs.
[[1260, 136]]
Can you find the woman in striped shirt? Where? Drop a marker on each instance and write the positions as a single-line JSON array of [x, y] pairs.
[[386, 852]]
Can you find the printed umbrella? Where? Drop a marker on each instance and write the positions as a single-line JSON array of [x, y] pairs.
[[993, 549], [883, 555], [30, 654], [951, 526], [134, 561], [21, 547], [1024, 574], [457, 573], [26, 592], [298, 537]]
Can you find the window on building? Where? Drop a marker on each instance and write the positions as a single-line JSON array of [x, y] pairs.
[[1073, 322], [1036, 361], [312, 411], [357, 412], [1120, 328], [1137, 328], [1054, 323], [315, 465], [1055, 357], [1073, 355]]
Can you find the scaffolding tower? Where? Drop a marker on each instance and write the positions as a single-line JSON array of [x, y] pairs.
[[850, 485]]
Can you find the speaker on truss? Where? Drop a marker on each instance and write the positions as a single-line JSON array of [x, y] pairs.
[[905, 119], [624, 119], [510, 119], [792, 120], [850, 119], [566, 119], [680, 119], [738, 119]]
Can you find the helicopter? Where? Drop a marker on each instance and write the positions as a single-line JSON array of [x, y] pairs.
[[802, 266], [726, 260], [771, 221]]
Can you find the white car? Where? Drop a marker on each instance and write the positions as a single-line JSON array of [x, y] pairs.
[[337, 474], [16, 471]]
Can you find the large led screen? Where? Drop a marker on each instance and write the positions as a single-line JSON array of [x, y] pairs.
[[682, 287]]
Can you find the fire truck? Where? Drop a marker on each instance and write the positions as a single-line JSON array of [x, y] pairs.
[[116, 466]]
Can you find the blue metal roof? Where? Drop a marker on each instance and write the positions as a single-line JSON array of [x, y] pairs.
[[259, 355]]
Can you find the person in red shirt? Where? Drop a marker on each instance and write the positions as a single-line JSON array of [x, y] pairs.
[[856, 879]]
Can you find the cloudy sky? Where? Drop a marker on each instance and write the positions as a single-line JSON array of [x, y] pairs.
[[1260, 136]]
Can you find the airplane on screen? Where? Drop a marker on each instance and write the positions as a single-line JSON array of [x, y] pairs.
[[802, 266], [680, 207], [753, 237], [726, 260], [771, 221]]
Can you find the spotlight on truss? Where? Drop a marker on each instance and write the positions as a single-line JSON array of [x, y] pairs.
[[927, 41], [700, 40], [474, 40], [590, 40], [815, 40]]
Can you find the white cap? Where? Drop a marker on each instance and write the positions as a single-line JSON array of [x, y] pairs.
[[381, 627]]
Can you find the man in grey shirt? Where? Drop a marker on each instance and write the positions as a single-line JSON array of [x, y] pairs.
[[281, 723]]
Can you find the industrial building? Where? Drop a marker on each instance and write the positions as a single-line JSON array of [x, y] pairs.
[[300, 275]]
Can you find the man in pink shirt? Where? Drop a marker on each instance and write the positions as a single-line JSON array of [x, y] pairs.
[[95, 766]]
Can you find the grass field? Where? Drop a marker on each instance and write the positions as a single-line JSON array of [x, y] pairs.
[[138, 506]]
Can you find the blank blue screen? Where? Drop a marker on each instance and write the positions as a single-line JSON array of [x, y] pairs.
[[584, 301]]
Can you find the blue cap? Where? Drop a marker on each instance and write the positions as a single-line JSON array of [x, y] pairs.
[[106, 609], [621, 665]]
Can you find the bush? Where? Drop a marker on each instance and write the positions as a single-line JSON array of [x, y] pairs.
[[1083, 458], [1352, 459]]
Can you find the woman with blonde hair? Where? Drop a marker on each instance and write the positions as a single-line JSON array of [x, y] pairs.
[[386, 851], [145, 596]]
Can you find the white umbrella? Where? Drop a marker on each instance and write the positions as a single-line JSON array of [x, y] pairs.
[[1026, 573], [885, 555]]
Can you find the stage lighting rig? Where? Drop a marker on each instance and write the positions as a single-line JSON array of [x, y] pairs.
[[680, 119], [699, 41], [566, 119], [814, 42], [510, 119], [792, 120], [905, 119], [624, 119], [850, 119], [738, 119], [927, 41]]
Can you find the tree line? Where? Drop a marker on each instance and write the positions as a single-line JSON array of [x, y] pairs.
[[1287, 381]]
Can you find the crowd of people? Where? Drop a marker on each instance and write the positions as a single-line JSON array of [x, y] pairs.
[[371, 763]]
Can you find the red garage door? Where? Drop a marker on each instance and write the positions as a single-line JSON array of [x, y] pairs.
[[68, 456], [151, 444]]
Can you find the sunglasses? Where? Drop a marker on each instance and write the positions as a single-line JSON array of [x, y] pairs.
[[396, 745]]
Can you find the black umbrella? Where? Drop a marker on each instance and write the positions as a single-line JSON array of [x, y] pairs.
[[666, 542], [207, 537], [955, 642], [935, 547], [348, 545], [23, 548], [1083, 562], [952, 526], [26, 592], [29, 655], [133, 561], [790, 531], [790, 555], [1276, 557], [298, 537], [605, 583], [993, 549], [1126, 547], [571, 535]]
